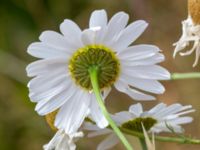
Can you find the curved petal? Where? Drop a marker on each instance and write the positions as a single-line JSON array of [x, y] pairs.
[[123, 87], [90, 126], [98, 18], [42, 50], [153, 72], [180, 120], [152, 60], [129, 35], [122, 117], [55, 101], [106, 92], [73, 112], [157, 108], [54, 38], [136, 109], [54, 140], [41, 81], [169, 111], [138, 52], [88, 37], [99, 132], [152, 86], [45, 90], [97, 114], [108, 143], [116, 24], [72, 32], [93, 36], [46, 66], [69, 28]]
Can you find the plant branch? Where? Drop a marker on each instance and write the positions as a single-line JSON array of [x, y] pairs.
[[181, 140]]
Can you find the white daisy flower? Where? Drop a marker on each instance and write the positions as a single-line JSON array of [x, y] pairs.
[[160, 118], [63, 141], [190, 34], [61, 78]]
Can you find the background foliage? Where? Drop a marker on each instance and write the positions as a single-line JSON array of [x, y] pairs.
[[21, 22]]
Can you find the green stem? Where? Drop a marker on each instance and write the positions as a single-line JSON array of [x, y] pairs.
[[143, 143], [192, 75], [181, 140], [94, 79]]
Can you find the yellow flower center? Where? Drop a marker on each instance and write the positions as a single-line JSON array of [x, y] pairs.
[[94, 56]]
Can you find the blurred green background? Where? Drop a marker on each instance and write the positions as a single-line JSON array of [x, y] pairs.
[[22, 21]]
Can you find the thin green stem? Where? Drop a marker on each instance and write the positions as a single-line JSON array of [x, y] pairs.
[[94, 80], [143, 143], [181, 140], [192, 75]]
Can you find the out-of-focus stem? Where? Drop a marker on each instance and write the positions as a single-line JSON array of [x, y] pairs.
[[192, 75]]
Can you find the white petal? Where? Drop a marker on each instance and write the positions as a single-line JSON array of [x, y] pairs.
[[98, 19], [123, 87], [157, 58], [42, 50], [152, 86], [180, 120], [106, 92], [88, 37], [197, 55], [46, 66], [97, 114], [72, 114], [65, 144], [69, 28], [138, 52], [129, 35], [54, 38], [184, 110], [72, 32], [136, 109], [122, 117], [153, 72], [47, 91], [169, 110], [108, 143], [116, 24], [53, 142], [100, 132], [157, 108], [90, 126], [54, 102], [40, 83], [161, 127]]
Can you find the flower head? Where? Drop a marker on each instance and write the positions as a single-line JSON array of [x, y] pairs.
[[190, 32], [63, 141], [61, 78], [160, 118]]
